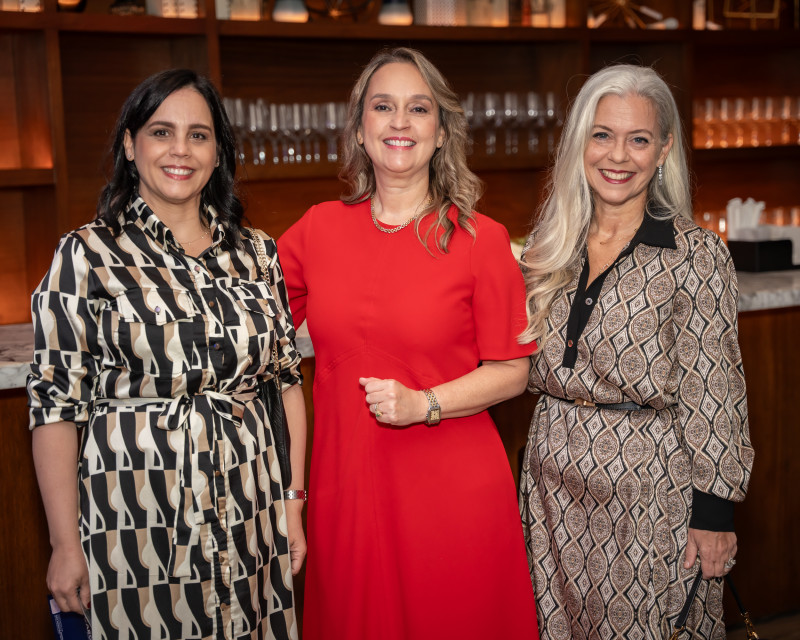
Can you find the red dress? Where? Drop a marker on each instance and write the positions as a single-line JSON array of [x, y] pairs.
[[413, 532]]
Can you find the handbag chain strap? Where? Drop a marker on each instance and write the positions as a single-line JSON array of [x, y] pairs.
[[263, 267]]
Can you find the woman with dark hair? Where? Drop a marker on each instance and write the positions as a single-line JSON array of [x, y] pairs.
[[414, 302], [155, 325], [639, 445]]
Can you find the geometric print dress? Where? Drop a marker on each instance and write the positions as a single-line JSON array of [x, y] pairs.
[[155, 356], [606, 495]]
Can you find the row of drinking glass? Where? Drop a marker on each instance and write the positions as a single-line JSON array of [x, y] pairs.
[[760, 121], [514, 114], [295, 133], [272, 133]]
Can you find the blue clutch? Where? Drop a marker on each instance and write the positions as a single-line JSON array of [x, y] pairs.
[[69, 625]]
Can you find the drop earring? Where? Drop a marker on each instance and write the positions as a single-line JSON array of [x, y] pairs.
[[660, 174]]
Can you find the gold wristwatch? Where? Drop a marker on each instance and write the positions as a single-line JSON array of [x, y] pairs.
[[434, 410]]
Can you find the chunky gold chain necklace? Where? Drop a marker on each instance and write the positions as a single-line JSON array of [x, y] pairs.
[[378, 226]]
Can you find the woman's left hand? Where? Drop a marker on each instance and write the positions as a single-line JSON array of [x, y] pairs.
[[394, 403], [715, 549], [297, 537]]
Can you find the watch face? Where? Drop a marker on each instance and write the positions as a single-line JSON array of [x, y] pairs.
[[435, 415]]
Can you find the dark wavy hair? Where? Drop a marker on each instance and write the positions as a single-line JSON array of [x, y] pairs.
[[122, 185]]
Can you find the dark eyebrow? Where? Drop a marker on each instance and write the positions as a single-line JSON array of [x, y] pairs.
[[171, 125]]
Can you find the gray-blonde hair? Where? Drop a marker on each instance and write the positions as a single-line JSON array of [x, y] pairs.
[[451, 181], [556, 243]]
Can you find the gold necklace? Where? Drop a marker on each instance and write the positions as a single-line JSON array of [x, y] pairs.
[[205, 233], [378, 226], [610, 262]]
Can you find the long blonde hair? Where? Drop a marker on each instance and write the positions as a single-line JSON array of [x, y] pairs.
[[451, 181], [556, 243]]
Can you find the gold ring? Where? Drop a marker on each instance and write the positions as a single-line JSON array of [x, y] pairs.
[[378, 414]]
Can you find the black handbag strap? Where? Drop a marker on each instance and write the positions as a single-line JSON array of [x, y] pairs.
[[748, 624], [680, 621]]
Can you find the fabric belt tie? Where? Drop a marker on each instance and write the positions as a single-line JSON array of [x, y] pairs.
[[176, 415], [618, 406]]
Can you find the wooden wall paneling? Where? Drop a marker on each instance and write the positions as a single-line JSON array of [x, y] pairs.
[[512, 197], [192, 52], [766, 68], [9, 127], [30, 60], [275, 205], [766, 173], [40, 241], [24, 541], [13, 267], [767, 522], [60, 216]]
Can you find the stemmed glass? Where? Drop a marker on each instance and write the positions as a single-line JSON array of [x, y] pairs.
[[493, 118], [511, 119], [551, 119], [534, 120]]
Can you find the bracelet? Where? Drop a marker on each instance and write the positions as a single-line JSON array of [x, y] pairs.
[[296, 494]]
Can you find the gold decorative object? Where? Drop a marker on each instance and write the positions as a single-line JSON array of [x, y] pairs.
[[622, 13], [752, 10]]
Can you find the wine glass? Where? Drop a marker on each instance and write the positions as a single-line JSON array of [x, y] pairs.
[[511, 119], [493, 118], [534, 120]]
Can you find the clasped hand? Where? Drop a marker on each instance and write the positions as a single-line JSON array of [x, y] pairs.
[[393, 403]]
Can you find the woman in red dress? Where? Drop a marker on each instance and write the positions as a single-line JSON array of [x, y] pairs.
[[414, 304]]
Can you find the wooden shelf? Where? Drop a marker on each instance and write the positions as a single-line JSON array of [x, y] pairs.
[[329, 29], [16, 178], [141, 25]]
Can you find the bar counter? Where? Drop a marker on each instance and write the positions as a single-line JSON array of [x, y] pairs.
[[757, 291], [766, 523]]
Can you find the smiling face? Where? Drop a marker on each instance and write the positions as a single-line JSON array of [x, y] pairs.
[[175, 152], [623, 153], [400, 123]]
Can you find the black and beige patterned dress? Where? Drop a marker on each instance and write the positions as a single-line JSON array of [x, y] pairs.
[[607, 495], [154, 355]]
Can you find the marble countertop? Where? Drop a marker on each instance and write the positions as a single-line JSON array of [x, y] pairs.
[[757, 291]]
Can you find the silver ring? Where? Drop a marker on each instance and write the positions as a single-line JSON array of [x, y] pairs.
[[374, 407], [729, 564]]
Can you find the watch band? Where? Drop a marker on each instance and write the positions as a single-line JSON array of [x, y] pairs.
[[296, 494], [434, 410]]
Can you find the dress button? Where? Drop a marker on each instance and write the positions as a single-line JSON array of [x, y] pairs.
[[211, 304], [588, 301], [218, 473], [215, 346], [569, 343], [197, 268], [158, 309]]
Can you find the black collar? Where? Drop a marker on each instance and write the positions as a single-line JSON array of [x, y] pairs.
[[657, 232]]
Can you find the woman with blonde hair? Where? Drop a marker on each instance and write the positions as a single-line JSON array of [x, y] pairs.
[[414, 303], [639, 444]]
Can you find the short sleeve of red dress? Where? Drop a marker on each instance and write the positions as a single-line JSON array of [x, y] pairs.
[[291, 250], [499, 299]]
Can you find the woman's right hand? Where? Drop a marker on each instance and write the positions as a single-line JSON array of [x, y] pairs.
[[68, 578]]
